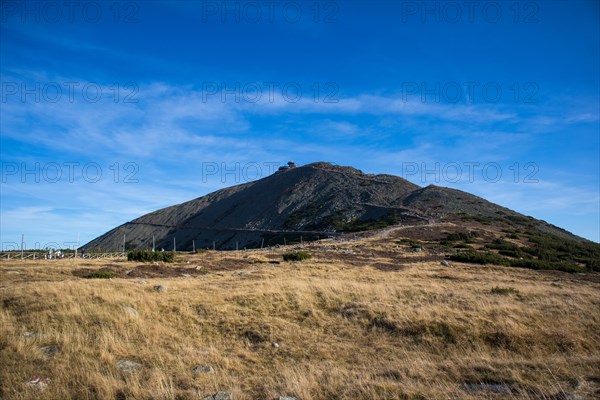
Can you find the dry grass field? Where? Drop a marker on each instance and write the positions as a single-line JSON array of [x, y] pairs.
[[360, 320]]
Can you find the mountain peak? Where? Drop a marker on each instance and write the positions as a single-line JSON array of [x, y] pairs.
[[308, 202]]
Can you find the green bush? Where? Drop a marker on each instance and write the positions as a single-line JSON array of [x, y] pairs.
[[467, 237], [500, 244], [147, 255], [296, 256], [474, 257], [101, 275]]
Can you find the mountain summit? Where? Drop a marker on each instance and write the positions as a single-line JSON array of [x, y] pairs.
[[312, 201]]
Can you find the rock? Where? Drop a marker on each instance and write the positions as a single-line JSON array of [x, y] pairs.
[[13, 272], [128, 272], [186, 275], [275, 345], [203, 369], [128, 366], [49, 350], [140, 282], [487, 387], [287, 398], [132, 312], [160, 288], [39, 383], [445, 263], [219, 396]]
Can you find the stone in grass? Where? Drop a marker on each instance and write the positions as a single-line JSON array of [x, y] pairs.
[[219, 396], [140, 282], [132, 312], [160, 288], [128, 366], [49, 350], [203, 369], [445, 263], [39, 383], [287, 398], [494, 387]]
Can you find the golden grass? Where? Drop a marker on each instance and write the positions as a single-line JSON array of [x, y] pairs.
[[344, 331]]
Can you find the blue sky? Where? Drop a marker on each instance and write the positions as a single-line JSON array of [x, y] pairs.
[[110, 110]]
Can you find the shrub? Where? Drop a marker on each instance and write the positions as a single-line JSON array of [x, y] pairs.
[[146, 255], [549, 265], [296, 256], [475, 257], [500, 244], [467, 237], [101, 275]]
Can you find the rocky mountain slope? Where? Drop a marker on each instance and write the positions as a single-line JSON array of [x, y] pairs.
[[305, 203]]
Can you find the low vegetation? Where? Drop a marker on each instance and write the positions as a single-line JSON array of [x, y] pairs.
[[101, 275], [466, 237], [296, 256], [479, 257], [148, 256]]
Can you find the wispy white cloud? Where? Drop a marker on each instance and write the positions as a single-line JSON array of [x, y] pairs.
[[171, 130]]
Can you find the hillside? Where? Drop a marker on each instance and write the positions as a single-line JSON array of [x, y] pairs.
[[305, 203]]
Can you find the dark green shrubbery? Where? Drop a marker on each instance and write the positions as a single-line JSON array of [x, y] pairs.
[[539, 248], [551, 248], [467, 237], [296, 256], [475, 257], [147, 255], [500, 244]]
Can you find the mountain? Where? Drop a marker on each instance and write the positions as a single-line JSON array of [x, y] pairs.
[[305, 203]]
